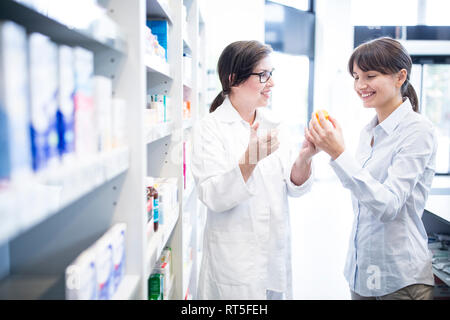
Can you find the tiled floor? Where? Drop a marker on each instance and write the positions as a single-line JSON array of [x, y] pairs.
[[321, 223]]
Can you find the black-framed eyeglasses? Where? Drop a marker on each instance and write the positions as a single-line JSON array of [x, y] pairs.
[[264, 76]]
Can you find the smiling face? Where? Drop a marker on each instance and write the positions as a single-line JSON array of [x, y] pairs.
[[255, 93], [376, 90]]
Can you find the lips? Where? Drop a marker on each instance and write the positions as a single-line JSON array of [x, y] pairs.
[[266, 94], [367, 95]]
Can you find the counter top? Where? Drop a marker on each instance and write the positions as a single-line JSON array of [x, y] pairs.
[[438, 201]]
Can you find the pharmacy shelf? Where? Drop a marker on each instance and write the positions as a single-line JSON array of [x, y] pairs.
[[187, 193], [187, 83], [108, 188], [187, 47], [30, 287], [127, 288], [171, 286], [156, 64], [56, 30], [158, 240], [159, 9], [188, 123], [52, 190], [159, 131]]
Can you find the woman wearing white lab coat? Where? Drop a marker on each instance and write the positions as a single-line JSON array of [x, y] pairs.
[[389, 179], [244, 178]]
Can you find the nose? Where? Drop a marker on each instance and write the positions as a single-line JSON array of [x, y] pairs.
[[360, 84], [270, 82]]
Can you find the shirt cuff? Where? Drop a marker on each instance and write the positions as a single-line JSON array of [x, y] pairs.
[[345, 166]]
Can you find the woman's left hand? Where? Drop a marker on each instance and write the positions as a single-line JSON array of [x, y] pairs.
[[328, 136], [308, 149]]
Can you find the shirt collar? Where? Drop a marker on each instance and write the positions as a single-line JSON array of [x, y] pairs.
[[227, 113], [393, 120]]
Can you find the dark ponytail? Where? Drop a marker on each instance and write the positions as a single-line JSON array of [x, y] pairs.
[[410, 92], [217, 101], [386, 56], [235, 65]]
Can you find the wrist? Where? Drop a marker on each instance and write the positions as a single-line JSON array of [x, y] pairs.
[[304, 159], [337, 153]]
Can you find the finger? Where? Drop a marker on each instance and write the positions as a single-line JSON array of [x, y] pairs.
[[254, 127], [323, 121], [334, 122], [317, 127], [314, 135], [308, 138], [274, 147]]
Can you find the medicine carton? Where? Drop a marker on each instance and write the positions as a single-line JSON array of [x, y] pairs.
[[15, 145], [66, 106], [80, 278], [43, 59], [160, 29], [118, 237], [103, 111], [85, 129], [104, 267]]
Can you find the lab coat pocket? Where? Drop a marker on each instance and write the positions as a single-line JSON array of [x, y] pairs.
[[232, 256]]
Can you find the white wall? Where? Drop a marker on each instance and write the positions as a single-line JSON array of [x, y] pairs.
[[229, 21]]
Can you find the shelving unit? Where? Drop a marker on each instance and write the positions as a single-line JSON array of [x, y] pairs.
[[110, 187]]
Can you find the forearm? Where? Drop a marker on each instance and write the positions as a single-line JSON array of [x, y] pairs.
[[246, 166], [301, 170]]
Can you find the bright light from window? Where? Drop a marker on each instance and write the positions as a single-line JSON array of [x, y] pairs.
[[274, 13], [385, 12], [297, 4], [437, 12]]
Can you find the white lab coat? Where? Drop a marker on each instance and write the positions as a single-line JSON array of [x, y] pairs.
[[247, 234]]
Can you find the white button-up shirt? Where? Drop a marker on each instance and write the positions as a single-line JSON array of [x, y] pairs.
[[247, 232], [389, 184]]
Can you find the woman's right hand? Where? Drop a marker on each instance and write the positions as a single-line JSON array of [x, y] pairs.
[[260, 146]]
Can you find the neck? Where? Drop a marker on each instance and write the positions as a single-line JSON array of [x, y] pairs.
[[244, 108], [384, 111]]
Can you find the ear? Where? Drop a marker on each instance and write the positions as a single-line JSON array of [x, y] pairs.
[[231, 78], [401, 77]]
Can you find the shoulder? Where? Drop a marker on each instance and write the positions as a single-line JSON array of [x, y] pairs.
[[418, 131], [208, 127], [416, 123]]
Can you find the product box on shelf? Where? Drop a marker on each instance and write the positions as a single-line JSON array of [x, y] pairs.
[[160, 29], [98, 271], [66, 106], [15, 145], [80, 276], [155, 286], [85, 129], [167, 189], [118, 235], [43, 59], [104, 267], [103, 111]]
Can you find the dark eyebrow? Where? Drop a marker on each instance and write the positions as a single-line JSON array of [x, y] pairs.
[[265, 70]]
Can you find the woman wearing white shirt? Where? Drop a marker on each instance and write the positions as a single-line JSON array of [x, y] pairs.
[[244, 178], [389, 179]]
